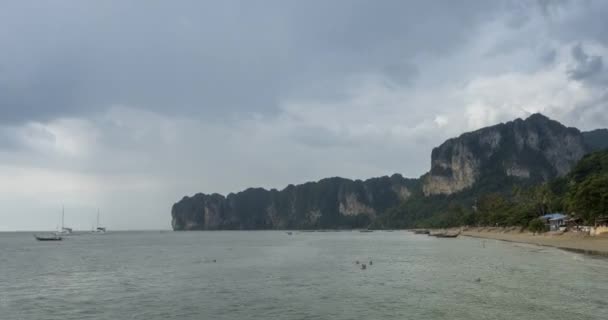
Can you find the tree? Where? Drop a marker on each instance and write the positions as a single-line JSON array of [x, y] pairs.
[[537, 225], [589, 198], [492, 210]]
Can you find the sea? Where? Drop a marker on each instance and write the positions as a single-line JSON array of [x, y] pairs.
[[305, 275]]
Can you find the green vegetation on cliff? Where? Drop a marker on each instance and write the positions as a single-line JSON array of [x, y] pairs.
[[326, 204], [586, 190], [499, 202], [503, 175], [596, 139]]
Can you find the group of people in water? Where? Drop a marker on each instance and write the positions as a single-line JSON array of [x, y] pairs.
[[363, 265]]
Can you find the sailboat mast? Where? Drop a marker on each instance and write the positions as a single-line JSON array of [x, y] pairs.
[[97, 218], [62, 216]]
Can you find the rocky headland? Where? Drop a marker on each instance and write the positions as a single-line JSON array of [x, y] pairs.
[[493, 159]]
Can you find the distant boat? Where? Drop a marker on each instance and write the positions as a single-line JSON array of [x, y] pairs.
[[421, 232], [446, 235], [50, 237], [99, 229], [64, 230], [289, 232], [56, 236], [366, 230]]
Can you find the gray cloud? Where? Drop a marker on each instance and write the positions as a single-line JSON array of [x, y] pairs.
[[208, 58], [128, 106], [586, 66]]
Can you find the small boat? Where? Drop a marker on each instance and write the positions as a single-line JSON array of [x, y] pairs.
[[64, 231], [366, 230], [422, 232], [50, 237], [289, 232], [446, 235], [98, 229], [56, 236]]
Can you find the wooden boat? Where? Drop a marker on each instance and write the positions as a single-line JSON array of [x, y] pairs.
[[51, 237], [366, 230], [446, 235], [422, 232]]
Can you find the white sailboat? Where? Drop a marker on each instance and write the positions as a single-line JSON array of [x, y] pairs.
[[99, 229], [64, 230], [56, 236]]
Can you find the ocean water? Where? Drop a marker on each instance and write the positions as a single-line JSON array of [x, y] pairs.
[[309, 275]]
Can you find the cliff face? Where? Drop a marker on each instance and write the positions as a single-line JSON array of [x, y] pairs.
[[596, 139], [329, 203], [536, 149], [491, 159]]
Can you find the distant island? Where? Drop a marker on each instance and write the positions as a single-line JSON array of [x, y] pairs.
[[508, 174]]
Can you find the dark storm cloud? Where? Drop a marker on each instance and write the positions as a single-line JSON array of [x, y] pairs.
[[586, 66], [208, 58], [548, 56], [575, 21], [129, 105]]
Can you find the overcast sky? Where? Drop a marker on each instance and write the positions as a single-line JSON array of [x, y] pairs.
[[127, 106]]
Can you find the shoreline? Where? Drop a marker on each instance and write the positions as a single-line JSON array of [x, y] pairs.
[[568, 241]]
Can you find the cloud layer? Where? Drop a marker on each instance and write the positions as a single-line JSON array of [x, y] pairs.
[[128, 106]]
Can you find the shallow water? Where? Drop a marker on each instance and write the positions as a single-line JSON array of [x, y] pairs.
[[309, 275]]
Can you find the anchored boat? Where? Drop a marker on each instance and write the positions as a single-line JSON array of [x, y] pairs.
[[56, 236], [64, 230], [446, 235], [50, 237], [98, 228]]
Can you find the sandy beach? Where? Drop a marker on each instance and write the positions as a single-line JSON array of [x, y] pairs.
[[568, 241]]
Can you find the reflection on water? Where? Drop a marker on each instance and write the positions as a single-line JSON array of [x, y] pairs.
[[266, 275]]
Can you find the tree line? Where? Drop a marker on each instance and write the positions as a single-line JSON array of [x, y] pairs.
[[503, 201]]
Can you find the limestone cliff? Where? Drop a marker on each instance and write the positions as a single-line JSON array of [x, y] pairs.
[[329, 203], [536, 149], [596, 139], [492, 159]]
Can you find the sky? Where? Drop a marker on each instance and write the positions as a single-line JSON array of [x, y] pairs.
[[127, 106]]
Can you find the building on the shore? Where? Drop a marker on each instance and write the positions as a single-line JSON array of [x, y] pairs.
[[574, 223], [555, 221], [601, 226]]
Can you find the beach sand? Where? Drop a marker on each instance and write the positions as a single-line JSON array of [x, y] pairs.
[[569, 241]]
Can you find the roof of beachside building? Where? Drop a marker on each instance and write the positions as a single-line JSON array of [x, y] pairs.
[[554, 216]]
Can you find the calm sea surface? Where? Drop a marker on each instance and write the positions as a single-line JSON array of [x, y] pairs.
[[271, 275]]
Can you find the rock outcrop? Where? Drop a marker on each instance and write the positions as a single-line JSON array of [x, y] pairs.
[[536, 148], [492, 159], [329, 203], [597, 139]]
